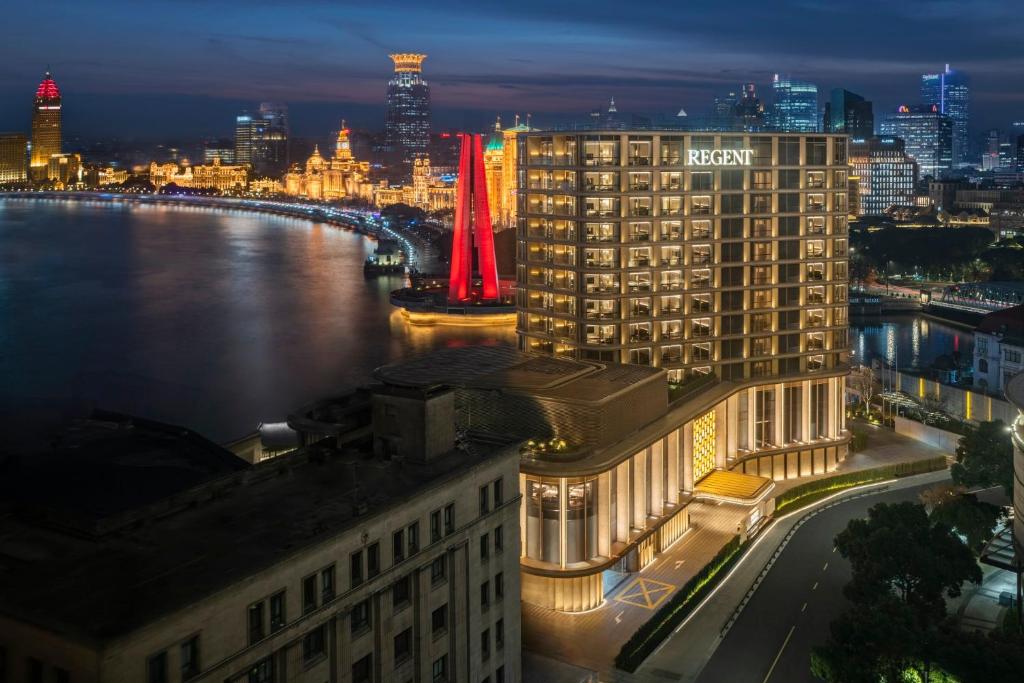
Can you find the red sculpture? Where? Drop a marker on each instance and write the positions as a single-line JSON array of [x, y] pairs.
[[472, 227]]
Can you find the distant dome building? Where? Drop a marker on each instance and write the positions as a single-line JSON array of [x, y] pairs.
[[340, 177]]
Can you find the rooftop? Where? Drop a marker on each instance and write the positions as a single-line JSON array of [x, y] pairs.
[[501, 367], [226, 528]]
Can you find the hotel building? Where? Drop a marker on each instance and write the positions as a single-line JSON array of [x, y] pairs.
[[720, 258], [383, 551]]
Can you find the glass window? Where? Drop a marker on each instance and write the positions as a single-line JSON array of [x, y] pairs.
[[360, 616], [313, 645], [189, 658], [278, 618], [764, 417]]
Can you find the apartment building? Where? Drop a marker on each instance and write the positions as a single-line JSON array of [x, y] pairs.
[[386, 552]]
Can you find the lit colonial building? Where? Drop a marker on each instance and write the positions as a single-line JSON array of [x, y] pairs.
[[425, 192], [340, 177], [214, 176]]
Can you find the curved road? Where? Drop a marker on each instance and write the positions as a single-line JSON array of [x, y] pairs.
[[791, 610]]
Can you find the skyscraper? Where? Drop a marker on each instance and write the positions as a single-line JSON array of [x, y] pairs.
[[45, 126], [796, 106], [275, 138], [749, 110], [261, 140], [950, 93], [928, 135], [407, 120], [13, 147], [848, 112]]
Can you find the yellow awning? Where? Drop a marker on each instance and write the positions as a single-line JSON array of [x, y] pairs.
[[733, 485]]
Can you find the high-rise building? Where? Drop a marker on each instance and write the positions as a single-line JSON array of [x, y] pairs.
[[749, 114], [46, 135], [795, 109], [723, 113], [927, 134], [848, 112], [219, 149], [949, 92], [261, 140], [646, 248], [275, 138], [407, 119], [13, 157], [886, 175], [720, 259]]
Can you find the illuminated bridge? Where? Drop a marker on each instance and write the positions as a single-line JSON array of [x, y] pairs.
[[980, 297]]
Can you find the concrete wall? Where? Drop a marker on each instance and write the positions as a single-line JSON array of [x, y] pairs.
[[961, 403], [933, 436]]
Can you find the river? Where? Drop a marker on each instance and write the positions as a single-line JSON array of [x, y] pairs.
[[908, 341], [212, 319]]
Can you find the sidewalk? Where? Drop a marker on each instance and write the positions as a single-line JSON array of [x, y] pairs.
[[682, 656], [592, 639]]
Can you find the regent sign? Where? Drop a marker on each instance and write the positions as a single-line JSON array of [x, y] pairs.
[[720, 157]]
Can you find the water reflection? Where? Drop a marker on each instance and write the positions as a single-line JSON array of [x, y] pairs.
[[911, 342], [215, 320]]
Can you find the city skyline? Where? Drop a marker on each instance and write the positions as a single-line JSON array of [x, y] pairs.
[[491, 59]]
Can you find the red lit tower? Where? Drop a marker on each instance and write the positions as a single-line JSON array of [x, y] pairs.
[[45, 126], [472, 228]]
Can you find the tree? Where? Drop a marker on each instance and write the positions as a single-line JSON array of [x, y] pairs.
[[897, 549], [984, 457], [973, 519], [868, 643], [904, 565]]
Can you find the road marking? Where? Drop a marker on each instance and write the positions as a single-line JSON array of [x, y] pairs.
[[679, 563], [618, 617], [776, 660], [834, 548], [815, 586], [825, 567], [804, 607], [646, 593]]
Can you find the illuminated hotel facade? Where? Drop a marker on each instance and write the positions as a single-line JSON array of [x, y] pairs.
[[716, 261]]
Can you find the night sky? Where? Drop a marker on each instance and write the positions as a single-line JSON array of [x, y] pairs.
[[153, 68]]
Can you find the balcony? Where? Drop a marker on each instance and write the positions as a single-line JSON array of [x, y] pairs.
[[640, 187], [639, 336], [594, 187]]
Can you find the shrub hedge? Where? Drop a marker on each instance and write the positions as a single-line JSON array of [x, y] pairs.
[[804, 494], [657, 628]]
